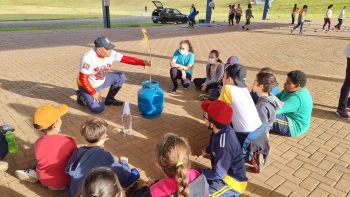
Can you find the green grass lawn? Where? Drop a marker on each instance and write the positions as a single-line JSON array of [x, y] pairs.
[[69, 9]]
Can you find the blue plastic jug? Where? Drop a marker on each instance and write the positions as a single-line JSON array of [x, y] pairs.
[[150, 99]]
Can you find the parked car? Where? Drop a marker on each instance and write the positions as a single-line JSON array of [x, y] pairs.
[[165, 15]]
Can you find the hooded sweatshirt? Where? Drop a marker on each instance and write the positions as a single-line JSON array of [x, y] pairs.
[[86, 158], [267, 107]]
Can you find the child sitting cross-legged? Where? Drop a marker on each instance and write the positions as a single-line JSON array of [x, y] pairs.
[[173, 155], [52, 150], [294, 118], [267, 104], [227, 177], [93, 155]]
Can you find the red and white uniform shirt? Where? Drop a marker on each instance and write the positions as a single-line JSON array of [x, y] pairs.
[[94, 68]]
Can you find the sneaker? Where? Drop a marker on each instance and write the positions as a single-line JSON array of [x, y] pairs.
[[80, 99], [243, 27], [173, 90], [27, 175], [3, 166], [114, 101], [343, 114], [291, 31], [203, 97], [257, 162]]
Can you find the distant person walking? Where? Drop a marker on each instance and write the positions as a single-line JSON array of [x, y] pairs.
[[231, 15], [294, 12], [327, 18], [193, 11], [238, 14], [301, 19], [248, 16], [146, 8], [344, 99], [341, 17]]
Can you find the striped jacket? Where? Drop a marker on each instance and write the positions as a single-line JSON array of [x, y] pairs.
[[226, 156]]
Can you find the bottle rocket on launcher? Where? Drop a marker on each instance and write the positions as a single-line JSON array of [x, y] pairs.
[[146, 41]]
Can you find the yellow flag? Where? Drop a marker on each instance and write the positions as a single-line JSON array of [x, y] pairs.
[[145, 35]]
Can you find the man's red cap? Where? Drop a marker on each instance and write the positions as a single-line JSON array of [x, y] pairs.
[[218, 111]]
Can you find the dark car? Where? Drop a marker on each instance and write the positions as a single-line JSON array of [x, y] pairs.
[[165, 15]]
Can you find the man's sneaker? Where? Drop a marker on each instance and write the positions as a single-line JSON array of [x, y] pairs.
[[27, 175], [243, 27], [257, 162], [343, 114], [173, 90], [3, 166], [113, 101], [80, 99]]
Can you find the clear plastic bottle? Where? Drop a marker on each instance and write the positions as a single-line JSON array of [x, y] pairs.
[[127, 119]]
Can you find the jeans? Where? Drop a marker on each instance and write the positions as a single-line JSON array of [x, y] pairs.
[[327, 21], [3, 147], [112, 78], [238, 18], [344, 99], [301, 24], [293, 19], [198, 82], [248, 22], [176, 74], [340, 22], [230, 19]]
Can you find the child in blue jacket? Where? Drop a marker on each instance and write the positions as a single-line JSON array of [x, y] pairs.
[[228, 174], [93, 155]]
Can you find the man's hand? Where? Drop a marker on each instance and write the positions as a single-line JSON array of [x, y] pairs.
[[97, 97], [183, 74], [204, 87], [147, 62]]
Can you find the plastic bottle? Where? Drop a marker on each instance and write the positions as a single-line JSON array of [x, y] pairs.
[[11, 142], [127, 119]]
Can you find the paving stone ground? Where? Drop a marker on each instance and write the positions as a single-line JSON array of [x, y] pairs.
[[41, 66]]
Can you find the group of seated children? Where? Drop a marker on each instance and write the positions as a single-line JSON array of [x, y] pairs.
[[60, 164], [240, 121], [263, 109]]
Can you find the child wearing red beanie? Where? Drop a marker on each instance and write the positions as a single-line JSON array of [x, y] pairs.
[[228, 174]]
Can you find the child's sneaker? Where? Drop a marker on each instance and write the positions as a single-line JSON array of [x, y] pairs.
[[203, 97], [343, 114], [3, 166], [27, 175], [173, 90]]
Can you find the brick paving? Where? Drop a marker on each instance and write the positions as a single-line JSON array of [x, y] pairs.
[[41, 66]]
